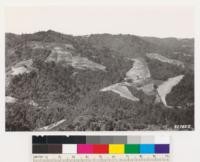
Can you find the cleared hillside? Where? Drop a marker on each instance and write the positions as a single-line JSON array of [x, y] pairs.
[[102, 82]]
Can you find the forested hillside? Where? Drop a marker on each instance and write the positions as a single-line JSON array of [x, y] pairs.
[[84, 82]]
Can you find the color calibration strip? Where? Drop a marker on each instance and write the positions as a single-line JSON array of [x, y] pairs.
[[100, 145]]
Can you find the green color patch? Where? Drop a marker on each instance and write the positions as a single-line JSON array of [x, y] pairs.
[[132, 149]]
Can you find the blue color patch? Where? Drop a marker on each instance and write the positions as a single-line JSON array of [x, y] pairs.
[[147, 148]]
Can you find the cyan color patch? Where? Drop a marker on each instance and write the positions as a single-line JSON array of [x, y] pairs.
[[147, 148]]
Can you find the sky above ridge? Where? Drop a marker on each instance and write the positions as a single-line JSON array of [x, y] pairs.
[[159, 21]]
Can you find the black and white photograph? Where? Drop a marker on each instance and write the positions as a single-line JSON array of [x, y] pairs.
[[99, 68]]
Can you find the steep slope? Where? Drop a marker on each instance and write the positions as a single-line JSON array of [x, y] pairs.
[[139, 72], [104, 82], [122, 90], [165, 59], [183, 92], [22, 67], [10, 99], [166, 87], [65, 57], [134, 77]]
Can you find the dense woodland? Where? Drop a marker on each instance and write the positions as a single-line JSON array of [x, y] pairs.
[[64, 92]]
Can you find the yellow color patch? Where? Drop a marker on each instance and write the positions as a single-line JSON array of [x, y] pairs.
[[116, 148]]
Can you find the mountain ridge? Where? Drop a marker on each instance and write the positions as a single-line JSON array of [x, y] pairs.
[[68, 91]]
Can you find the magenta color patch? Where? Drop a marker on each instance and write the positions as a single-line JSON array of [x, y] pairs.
[[84, 149]]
